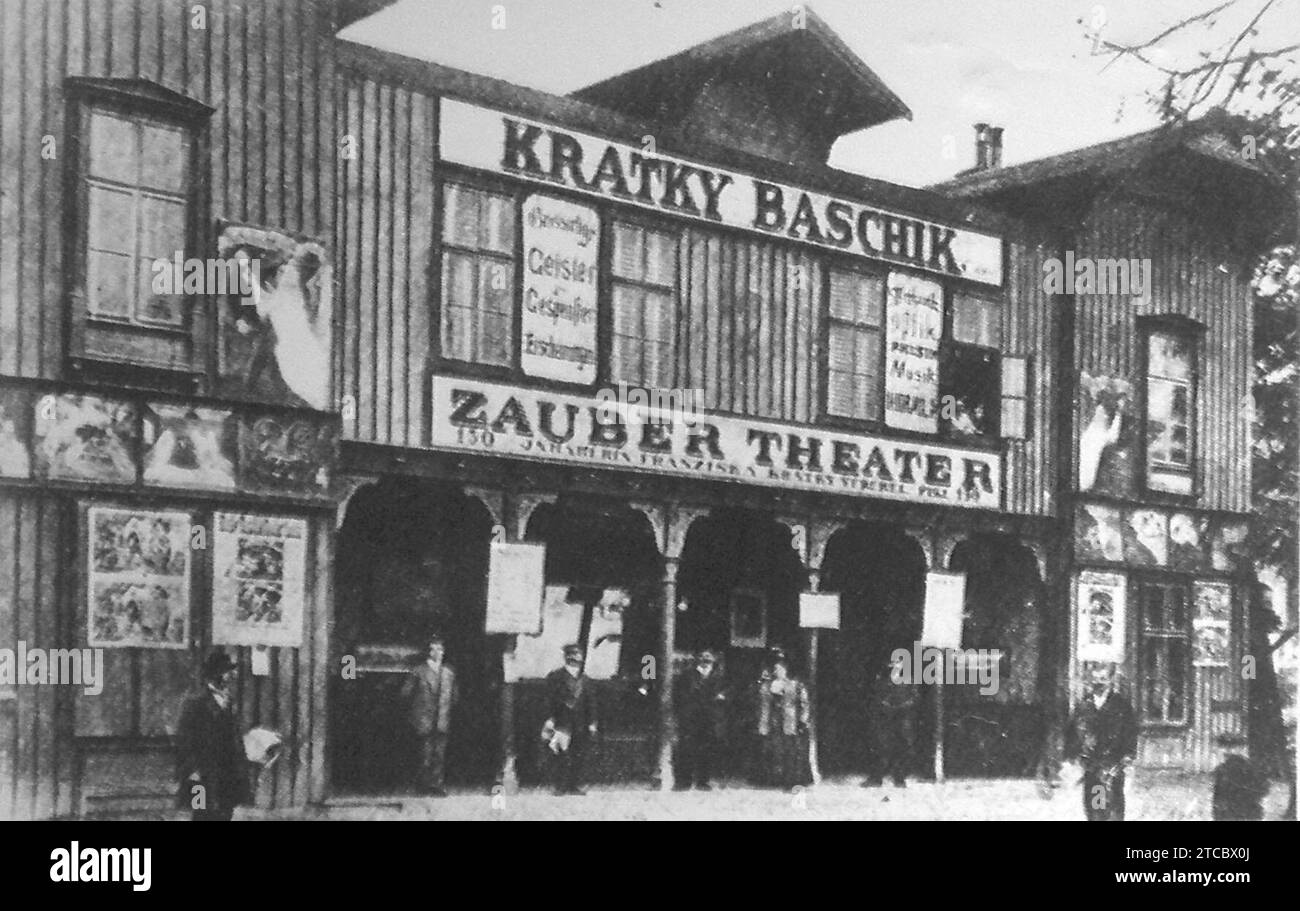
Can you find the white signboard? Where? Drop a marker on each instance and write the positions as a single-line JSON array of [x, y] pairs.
[[138, 578], [546, 153], [509, 421], [537, 654], [945, 599], [516, 577], [1100, 617], [561, 261], [819, 610], [913, 326], [259, 571]]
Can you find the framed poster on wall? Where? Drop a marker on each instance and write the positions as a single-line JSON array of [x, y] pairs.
[[1100, 610], [748, 618], [138, 578], [259, 570], [1211, 624]]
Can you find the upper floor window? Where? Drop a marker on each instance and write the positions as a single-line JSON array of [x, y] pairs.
[[478, 275], [137, 212], [1014, 405], [644, 297], [855, 369], [1170, 409], [970, 381]]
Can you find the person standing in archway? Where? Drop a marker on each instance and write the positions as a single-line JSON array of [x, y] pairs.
[[700, 699], [1103, 736], [783, 715], [431, 687], [892, 726]]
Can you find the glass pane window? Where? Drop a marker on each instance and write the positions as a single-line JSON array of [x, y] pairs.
[[137, 216], [1170, 411], [855, 354], [1165, 644], [976, 320], [644, 295], [1015, 397], [478, 275]]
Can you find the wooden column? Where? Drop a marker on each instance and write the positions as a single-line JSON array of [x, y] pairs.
[[667, 640], [814, 643]]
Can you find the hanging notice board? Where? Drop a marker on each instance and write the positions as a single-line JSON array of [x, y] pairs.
[[516, 585]]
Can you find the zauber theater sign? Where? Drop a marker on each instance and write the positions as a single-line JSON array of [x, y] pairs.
[[495, 141], [500, 420]]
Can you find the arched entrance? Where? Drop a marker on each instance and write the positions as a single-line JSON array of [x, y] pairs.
[[602, 586], [999, 733], [412, 560], [738, 590], [879, 572]]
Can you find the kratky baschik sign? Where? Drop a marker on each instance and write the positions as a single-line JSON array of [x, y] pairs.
[[503, 143], [499, 420]]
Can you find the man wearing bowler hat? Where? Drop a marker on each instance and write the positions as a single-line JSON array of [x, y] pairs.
[[431, 687], [700, 699], [572, 719], [210, 762], [1103, 735]]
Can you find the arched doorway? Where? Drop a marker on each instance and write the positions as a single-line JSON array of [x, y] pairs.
[[738, 590], [412, 560], [879, 572], [602, 583], [998, 733]]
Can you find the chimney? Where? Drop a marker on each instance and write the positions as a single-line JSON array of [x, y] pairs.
[[988, 147]]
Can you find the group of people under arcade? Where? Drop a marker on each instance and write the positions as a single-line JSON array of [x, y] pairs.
[[774, 711]]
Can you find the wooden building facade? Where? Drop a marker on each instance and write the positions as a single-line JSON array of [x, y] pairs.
[[872, 383]]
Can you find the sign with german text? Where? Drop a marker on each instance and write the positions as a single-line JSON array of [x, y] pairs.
[[546, 153], [945, 600], [913, 325], [561, 261], [495, 419], [516, 579]]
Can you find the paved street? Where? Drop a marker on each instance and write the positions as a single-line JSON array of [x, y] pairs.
[[1153, 796]]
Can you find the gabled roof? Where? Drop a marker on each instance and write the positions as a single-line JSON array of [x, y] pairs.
[[347, 12], [794, 54], [1212, 137]]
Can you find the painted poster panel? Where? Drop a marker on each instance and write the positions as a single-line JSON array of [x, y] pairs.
[[748, 618], [1107, 435], [1100, 611], [258, 584], [605, 637], [84, 438], [1211, 624], [1146, 537], [15, 432], [1099, 533], [189, 446], [1187, 540], [913, 327], [561, 243], [274, 344], [286, 453], [536, 656], [138, 579]]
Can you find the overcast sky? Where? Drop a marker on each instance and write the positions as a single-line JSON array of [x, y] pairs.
[[1026, 65]]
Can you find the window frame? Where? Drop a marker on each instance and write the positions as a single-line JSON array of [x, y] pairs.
[[1026, 399], [1191, 332], [140, 101], [611, 219], [950, 346], [875, 272], [1139, 584]]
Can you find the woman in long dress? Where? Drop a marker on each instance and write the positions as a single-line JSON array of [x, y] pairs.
[[783, 713]]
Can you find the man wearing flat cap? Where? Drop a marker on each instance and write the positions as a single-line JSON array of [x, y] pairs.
[[700, 704], [431, 689], [210, 762], [571, 721]]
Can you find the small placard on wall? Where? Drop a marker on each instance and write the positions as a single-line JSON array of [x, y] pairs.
[[945, 599], [261, 660], [516, 585], [819, 610]]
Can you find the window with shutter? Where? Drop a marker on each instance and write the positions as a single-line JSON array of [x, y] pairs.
[[644, 305], [855, 354], [478, 276]]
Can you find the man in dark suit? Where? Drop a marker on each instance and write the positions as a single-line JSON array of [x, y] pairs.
[[1103, 736], [571, 720], [210, 762], [431, 688], [700, 699], [892, 726]]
